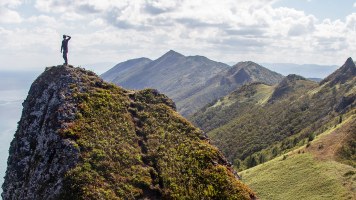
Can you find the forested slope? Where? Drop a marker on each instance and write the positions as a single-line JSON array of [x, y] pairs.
[[296, 109]]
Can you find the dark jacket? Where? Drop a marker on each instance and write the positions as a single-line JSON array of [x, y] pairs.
[[65, 44]]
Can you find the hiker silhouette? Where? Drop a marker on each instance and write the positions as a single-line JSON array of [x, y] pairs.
[[64, 47]]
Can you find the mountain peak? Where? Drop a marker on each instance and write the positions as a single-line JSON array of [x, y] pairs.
[[349, 64], [341, 75], [172, 53]]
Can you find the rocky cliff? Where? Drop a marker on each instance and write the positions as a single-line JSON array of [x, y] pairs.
[[82, 138]]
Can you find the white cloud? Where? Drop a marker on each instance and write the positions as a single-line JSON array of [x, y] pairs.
[[4, 32], [97, 22], [30, 40], [351, 21], [71, 16], [11, 3], [222, 30], [46, 20], [9, 16]]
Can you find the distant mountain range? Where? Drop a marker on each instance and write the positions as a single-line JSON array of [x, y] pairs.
[[306, 70], [191, 81], [222, 84], [99, 67]]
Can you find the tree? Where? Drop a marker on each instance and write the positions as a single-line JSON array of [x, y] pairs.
[[262, 158], [251, 162], [311, 136], [275, 151]]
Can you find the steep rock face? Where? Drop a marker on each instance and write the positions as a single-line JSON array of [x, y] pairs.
[[38, 156], [82, 138]]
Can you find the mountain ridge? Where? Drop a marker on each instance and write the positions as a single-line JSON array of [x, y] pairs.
[[222, 84], [124, 68], [190, 80]]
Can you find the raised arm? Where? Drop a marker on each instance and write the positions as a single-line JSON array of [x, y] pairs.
[[69, 37]]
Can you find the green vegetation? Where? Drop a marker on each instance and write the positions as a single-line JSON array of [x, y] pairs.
[[241, 101], [313, 174], [134, 145], [261, 125], [298, 177], [347, 152], [262, 122]]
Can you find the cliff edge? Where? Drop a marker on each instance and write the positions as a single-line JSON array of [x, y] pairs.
[[82, 138]]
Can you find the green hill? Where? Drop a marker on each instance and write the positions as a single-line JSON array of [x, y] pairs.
[[239, 102], [82, 138], [311, 171], [257, 129]]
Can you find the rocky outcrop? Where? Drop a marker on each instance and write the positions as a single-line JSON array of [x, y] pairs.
[[346, 72], [82, 138], [38, 156]]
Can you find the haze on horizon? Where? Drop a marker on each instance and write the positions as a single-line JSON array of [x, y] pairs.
[[264, 31]]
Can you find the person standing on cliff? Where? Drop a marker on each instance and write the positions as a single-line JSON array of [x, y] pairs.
[[65, 48]]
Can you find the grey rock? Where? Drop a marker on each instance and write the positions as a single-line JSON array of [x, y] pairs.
[[39, 156]]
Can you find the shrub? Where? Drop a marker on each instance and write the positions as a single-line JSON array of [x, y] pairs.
[[275, 151], [349, 173], [284, 157], [311, 136]]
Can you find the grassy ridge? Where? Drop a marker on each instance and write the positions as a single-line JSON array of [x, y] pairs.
[[241, 101], [134, 145]]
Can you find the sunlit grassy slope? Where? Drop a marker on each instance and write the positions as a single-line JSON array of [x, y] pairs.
[[307, 173]]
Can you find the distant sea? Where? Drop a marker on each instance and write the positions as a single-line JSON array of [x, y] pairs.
[[14, 86]]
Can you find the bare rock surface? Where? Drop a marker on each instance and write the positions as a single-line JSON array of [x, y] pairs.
[[38, 156]]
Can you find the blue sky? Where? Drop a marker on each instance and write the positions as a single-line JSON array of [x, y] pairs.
[[263, 31]]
